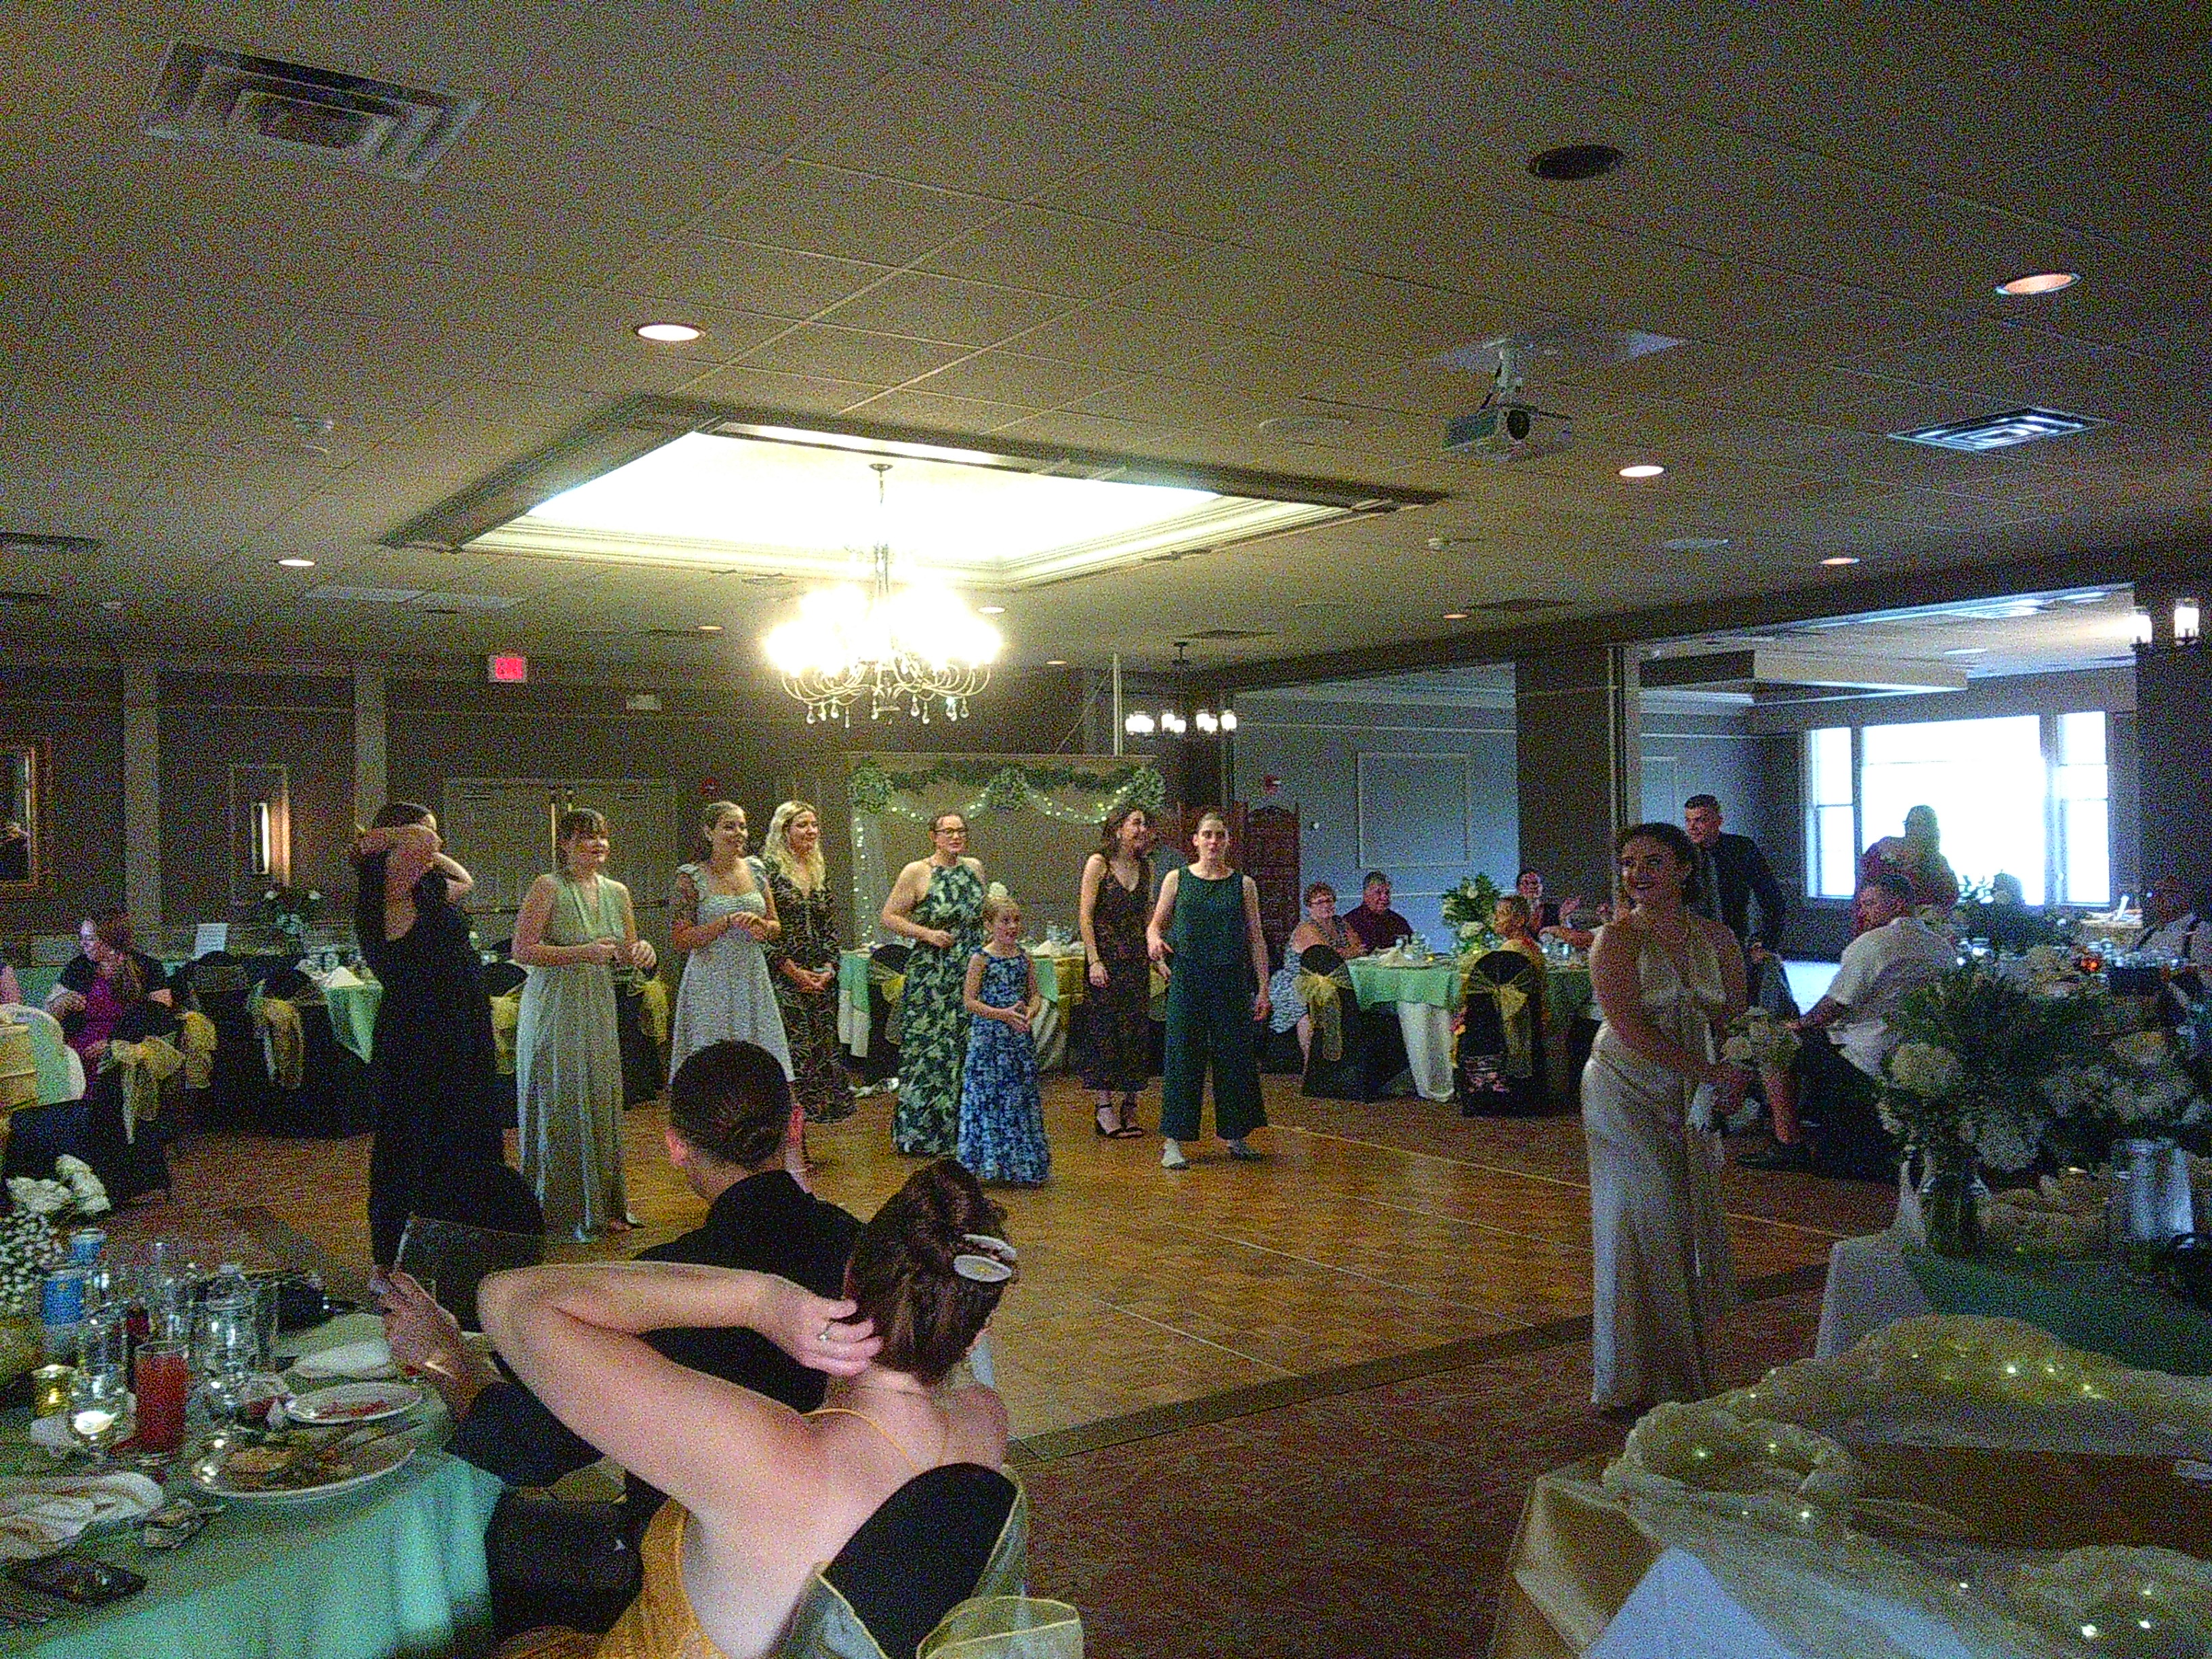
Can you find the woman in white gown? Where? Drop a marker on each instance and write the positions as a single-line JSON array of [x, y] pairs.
[[1668, 981]]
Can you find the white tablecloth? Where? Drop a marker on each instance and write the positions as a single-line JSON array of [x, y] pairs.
[[1868, 1287], [1428, 1047]]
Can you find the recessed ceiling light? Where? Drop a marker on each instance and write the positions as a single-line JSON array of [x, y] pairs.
[[297, 564], [1055, 662], [1643, 470], [1570, 164], [2018, 426], [1839, 560], [992, 610], [111, 605], [710, 628], [2041, 282], [667, 333], [1454, 616], [1967, 651]]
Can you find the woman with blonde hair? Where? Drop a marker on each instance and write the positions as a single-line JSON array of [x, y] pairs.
[[721, 912], [803, 960], [576, 929]]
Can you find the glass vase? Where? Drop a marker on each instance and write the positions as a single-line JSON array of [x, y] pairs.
[[1950, 1201]]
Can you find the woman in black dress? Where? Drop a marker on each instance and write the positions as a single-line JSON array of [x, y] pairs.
[[1115, 898], [803, 960], [434, 1062]]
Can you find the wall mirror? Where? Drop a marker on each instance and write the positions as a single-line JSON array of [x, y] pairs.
[[23, 809]]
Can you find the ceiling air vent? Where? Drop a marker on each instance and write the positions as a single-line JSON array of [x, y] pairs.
[[79, 547], [271, 108], [2017, 425]]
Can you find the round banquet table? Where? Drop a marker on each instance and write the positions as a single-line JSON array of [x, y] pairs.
[[1426, 997], [394, 1567], [1060, 983]]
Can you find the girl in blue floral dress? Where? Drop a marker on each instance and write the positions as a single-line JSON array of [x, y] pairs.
[[1001, 1119]]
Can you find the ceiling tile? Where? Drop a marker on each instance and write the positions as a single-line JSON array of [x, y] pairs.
[[850, 214], [945, 308], [1062, 253], [852, 354], [775, 282]]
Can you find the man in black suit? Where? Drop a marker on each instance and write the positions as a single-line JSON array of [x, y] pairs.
[[730, 1115], [1732, 874]]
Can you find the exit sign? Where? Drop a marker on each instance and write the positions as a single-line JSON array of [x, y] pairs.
[[506, 670]]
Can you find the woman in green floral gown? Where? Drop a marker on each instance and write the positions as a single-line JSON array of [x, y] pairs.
[[935, 904]]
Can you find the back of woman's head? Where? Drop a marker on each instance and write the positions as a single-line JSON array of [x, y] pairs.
[[731, 1102], [395, 814], [907, 1270]]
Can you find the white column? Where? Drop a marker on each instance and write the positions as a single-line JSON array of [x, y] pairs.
[[141, 794]]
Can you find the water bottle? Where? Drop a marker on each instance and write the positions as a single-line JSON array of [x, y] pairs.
[[61, 1313], [232, 1292]]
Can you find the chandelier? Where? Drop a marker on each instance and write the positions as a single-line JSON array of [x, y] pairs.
[[918, 648], [1171, 719]]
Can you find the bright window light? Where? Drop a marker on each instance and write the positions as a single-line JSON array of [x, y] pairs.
[[1985, 778], [798, 503]]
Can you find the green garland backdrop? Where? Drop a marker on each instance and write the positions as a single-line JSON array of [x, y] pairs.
[[1003, 788]]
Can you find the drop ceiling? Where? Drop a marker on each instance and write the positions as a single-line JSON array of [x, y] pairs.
[[1147, 231]]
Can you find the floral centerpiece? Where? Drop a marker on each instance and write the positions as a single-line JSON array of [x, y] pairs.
[[1466, 908], [30, 1243], [2134, 1084], [290, 910], [1758, 1039], [1965, 1084]]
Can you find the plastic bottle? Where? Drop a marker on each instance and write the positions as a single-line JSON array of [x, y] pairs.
[[230, 1292]]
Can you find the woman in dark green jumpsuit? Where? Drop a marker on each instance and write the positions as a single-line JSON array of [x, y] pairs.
[[1206, 928]]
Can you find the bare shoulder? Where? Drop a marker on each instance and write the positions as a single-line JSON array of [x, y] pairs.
[[979, 1423], [976, 865], [543, 887]]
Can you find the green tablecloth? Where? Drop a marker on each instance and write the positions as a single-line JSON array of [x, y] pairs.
[[2086, 1304], [395, 1567], [1437, 985], [36, 982], [353, 1014], [1567, 993]]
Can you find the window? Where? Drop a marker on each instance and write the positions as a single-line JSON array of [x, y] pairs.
[[2026, 796], [1832, 841], [2084, 814]]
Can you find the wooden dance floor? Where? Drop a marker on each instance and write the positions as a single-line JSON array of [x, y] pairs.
[[1374, 1243]]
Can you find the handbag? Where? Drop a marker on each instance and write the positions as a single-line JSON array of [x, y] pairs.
[[557, 1562]]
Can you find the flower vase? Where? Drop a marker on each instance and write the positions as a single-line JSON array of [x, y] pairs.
[[1950, 1201]]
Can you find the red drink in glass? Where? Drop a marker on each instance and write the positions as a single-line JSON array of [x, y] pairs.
[[164, 1378]]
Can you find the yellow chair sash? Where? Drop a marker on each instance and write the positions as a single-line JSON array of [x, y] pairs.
[[143, 1065], [893, 986], [197, 1041], [653, 1006], [284, 1044], [1324, 999], [1517, 1012], [505, 1014]]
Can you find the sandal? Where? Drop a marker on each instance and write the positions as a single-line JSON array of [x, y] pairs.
[[1130, 1128], [1098, 1124]]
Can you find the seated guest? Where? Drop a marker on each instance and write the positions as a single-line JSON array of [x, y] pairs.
[[106, 1022], [1512, 919], [1287, 1004], [1374, 924], [731, 1116], [2174, 929], [1847, 1035], [97, 935], [895, 1482]]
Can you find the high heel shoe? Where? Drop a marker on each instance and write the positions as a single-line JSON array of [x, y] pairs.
[[1129, 1128]]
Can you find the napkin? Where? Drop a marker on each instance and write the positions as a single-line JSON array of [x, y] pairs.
[[37, 1515], [369, 1358]]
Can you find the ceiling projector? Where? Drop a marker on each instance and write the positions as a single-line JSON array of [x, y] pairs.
[[1505, 431]]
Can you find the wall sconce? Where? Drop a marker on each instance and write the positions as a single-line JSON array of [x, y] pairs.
[[2185, 622], [261, 838]]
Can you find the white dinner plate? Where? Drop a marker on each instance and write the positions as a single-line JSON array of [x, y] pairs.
[[372, 1462], [353, 1402]]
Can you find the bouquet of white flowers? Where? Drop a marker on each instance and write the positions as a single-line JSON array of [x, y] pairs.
[[1756, 1039], [30, 1246]]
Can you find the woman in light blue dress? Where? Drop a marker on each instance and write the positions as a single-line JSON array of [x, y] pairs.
[[722, 912], [576, 929]]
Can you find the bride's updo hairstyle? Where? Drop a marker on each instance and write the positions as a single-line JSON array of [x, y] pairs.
[[929, 1268]]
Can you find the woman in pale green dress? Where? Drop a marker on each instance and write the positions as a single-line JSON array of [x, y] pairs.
[[575, 930]]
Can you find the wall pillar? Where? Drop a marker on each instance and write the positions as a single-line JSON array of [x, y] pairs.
[[368, 731], [141, 794], [1579, 762], [2173, 688]]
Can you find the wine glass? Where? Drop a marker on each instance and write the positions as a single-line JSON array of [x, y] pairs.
[[99, 1409]]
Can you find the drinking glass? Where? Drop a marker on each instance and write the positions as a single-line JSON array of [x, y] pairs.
[[100, 1407], [226, 1351], [164, 1378]]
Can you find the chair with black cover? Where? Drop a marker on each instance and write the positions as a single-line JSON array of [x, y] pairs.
[[1500, 1064], [238, 1092], [469, 1221], [644, 1066], [502, 977], [886, 971], [923, 1553], [334, 1098], [1373, 1050]]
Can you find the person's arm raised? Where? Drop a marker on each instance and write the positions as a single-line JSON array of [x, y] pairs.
[[573, 1333]]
